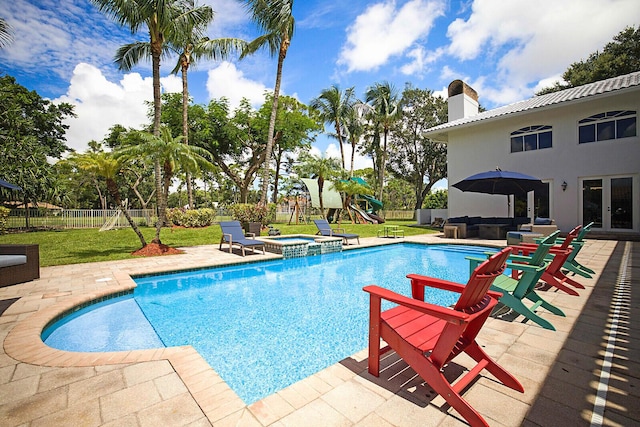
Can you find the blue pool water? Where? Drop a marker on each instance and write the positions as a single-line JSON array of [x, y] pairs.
[[263, 326]]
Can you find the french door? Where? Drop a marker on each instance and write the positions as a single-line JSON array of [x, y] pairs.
[[609, 202]]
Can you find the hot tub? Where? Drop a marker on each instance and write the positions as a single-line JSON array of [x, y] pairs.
[[300, 245]]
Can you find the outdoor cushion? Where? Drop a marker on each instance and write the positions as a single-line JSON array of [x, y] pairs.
[[9, 260], [542, 221]]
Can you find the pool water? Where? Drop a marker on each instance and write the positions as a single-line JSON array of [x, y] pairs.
[[263, 326]]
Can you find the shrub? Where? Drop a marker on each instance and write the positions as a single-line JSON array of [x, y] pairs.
[[4, 218], [246, 213], [191, 217]]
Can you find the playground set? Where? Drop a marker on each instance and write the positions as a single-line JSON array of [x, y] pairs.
[[361, 208]]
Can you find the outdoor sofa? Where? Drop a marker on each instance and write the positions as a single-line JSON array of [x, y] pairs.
[[528, 233], [469, 226], [19, 263]]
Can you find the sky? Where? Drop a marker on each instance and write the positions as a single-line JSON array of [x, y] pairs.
[[505, 49]]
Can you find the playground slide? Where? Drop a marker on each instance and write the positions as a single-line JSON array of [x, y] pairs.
[[374, 219], [377, 204]]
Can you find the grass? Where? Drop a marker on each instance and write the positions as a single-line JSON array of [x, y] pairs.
[[90, 245]]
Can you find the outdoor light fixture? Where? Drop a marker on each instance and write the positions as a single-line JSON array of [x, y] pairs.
[[564, 185]]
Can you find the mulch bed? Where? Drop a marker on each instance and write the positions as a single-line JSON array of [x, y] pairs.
[[155, 249]]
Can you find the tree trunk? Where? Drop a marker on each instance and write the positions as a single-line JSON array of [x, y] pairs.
[[383, 160], [185, 122], [353, 158], [115, 193], [320, 187], [272, 122], [340, 141], [161, 205]]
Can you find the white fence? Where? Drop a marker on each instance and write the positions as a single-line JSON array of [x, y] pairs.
[[77, 218], [97, 218]]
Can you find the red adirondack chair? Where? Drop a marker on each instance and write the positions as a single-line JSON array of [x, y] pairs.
[[553, 274], [428, 336]]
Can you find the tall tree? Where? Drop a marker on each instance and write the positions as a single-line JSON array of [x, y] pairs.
[[32, 130], [355, 128], [234, 140], [275, 18], [170, 152], [334, 107], [384, 99], [619, 57], [191, 47], [295, 129], [107, 166], [165, 20], [414, 157]]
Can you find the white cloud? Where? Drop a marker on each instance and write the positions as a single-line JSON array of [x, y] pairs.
[[99, 103], [532, 41], [227, 81], [383, 31], [171, 84], [58, 35], [333, 151]]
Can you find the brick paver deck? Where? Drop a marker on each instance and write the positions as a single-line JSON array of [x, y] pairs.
[[585, 371]]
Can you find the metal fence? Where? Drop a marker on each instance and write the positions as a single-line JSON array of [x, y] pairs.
[[112, 218]]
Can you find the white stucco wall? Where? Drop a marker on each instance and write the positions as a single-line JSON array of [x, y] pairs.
[[483, 146]]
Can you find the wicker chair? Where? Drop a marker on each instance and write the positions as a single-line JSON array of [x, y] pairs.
[[23, 271]]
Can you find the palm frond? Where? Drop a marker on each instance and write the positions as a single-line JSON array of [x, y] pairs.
[[128, 55]]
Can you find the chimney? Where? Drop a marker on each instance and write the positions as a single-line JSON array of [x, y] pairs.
[[463, 100]]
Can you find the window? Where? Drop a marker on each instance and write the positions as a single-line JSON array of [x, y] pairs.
[[531, 138], [606, 126]]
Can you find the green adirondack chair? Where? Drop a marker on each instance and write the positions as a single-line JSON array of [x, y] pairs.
[[571, 264], [516, 290]]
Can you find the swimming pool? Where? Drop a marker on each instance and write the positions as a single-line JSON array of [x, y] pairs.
[[263, 326]]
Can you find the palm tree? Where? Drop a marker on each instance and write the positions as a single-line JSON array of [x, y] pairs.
[[6, 33], [165, 20], [334, 106], [322, 168], [275, 18], [168, 151], [107, 166], [384, 99], [354, 124], [192, 47]]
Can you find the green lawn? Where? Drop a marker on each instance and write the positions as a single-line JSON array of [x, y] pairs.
[[90, 245]]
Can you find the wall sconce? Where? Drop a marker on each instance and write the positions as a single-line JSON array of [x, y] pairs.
[[564, 185]]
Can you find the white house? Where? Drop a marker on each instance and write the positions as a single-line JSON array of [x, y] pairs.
[[583, 142]]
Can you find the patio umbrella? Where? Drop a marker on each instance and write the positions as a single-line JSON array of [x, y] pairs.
[[500, 182], [10, 186]]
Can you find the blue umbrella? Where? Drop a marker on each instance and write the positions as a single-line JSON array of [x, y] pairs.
[[500, 182], [10, 186]]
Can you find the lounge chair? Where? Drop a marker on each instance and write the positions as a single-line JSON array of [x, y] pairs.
[[428, 336], [324, 229], [232, 234], [516, 289]]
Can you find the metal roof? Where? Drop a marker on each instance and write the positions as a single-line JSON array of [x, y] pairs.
[[567, 95]]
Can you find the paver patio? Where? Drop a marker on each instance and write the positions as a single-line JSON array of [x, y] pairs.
[[561, 371]]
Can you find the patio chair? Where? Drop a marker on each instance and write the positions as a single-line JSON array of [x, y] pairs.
[[571, 264], [232, 234], [558, 255], [428, 336], [522, 286], [324, 229]]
